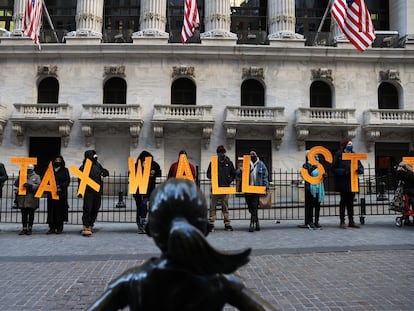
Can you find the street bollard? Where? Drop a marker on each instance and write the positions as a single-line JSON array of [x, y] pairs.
[[121, 203]]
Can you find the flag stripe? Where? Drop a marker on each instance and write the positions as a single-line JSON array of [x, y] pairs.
[[355, 22], [191, 20], [32, 19]]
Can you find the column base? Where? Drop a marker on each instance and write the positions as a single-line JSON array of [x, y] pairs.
[[82, 40], [150, 36], [287, 42], [18, 40]]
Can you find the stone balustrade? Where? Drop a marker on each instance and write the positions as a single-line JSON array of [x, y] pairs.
[[42, 111], [254, 114], [325, 115], [183, 113], [389, 117], [111, 111]]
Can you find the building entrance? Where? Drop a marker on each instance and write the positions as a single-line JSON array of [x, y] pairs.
[[44, 149]]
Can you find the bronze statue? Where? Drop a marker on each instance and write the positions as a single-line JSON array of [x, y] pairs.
[[190, 274]]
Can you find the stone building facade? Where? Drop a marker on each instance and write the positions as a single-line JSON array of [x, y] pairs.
[[121, 85]]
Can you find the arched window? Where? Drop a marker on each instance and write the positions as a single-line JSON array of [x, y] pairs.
[[48, 91], [387, 96], [121, 20], [115, 91], [249, 21], [175, 14], [183, 92], [252, 93], [320, 95]]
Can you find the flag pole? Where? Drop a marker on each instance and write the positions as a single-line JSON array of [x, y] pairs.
[[322, 22], [49, 20]]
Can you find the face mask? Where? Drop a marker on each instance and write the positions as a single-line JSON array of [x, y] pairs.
[[95, 157], [253, 158], [348, 148], [29, 172], [57, 164]]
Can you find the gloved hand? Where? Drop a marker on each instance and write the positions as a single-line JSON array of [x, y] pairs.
[[27, 186], [80, 196]]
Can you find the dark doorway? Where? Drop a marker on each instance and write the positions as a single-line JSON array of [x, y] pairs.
[[44, 149], [262, 147]]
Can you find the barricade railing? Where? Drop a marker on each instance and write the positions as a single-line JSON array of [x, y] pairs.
[[287, 187]]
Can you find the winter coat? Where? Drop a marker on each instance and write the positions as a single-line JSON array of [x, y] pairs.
[[28, 200], [341, 170], [62, 178], [226, 171], [152, 178], [97, 171]]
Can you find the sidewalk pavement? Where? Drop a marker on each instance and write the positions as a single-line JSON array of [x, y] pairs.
[[292, 268]]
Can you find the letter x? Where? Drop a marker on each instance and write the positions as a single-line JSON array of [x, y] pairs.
[[85, 180]]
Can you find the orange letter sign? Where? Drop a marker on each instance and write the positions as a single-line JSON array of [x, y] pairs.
[[23, 162], [137, 180], [246, 187], [85, 180], [321, 170], [184, 169], [216, 189], [48, 184], [354, 157]]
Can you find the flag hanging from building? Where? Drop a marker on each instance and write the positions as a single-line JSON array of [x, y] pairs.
[[33, 19], [191, 20], [355, 22]]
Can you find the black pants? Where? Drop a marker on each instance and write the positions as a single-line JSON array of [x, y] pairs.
[[142, 207], [312, 205], [91, 206], [27, 217], [347, 201], [57, 213], [252, 201]]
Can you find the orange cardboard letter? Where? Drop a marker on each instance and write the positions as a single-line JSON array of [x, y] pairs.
[[48, 184], [216, 189], [183, 169], [246, 187], [409, 161], [354, 157], [137, 180], [321, 170], [85, 180], [23, 162]]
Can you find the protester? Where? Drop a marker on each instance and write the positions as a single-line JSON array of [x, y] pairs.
[[314, 195], [226, 175], [172, 173], [3, 178], [142, 200], [57, 210], [28, 203], [92, 198], [405, 172], [341, 170], [259, 176]]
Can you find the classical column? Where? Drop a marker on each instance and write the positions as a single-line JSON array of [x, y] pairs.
[[18, 16], [153, 21], [217, 20], [89, 19], [282, 19]]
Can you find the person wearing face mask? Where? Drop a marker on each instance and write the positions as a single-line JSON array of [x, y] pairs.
[[57, 210], [226, 175], [92, 198], [342, 176], [28, 203], [259, 176]]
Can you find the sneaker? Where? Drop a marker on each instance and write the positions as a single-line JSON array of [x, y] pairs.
[[318, 226], [210, 228], [29, 231], [23, 232], [343, 226], [353, 225], [311, 227], [228, 228], [50, 231], [87, 231]]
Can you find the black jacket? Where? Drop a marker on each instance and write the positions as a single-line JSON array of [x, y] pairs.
[[226, 171]]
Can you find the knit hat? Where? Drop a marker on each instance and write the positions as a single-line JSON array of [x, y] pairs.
[[221, 149], [344, 143]]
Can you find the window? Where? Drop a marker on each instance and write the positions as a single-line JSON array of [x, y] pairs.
[[48, 91], [249, 21], [309, 15], [183, 92], [175, 13], [252, 93], [115, 91], [62, 14], [379, 10], [121, 20], [387, 96], [320, 95], [6, 15]]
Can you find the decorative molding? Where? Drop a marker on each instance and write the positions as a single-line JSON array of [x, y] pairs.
[[153, 16], [322, 74], [390, 75], [253, 72], [19, 131], [179, 71], [64, 132], [278, 135], [207, 131], [47, 70], [134, 131], [114, 71], [158, 134], [371, 136]]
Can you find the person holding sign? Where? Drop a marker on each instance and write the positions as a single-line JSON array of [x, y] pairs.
[[342, 171], [26, 200], [259, 176], [57, 210], [142, 200], [226, 174], [179, 169], [92, 196]]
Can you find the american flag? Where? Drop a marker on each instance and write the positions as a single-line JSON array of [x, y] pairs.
[[191, 20], [355, 22], [33, 19]]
